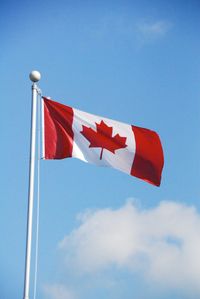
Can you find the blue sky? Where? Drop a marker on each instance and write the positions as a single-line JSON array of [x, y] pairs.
[[104, 234]]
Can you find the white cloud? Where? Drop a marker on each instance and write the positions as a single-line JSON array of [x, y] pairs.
[[163, 243], [115, 28], [57, 291], [149, 31]]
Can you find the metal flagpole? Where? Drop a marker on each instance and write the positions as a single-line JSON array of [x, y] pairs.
[[34, 77]]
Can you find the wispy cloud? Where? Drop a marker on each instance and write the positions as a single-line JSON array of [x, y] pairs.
[[57, 291], [122, 28], [163, 243], [149, 31]]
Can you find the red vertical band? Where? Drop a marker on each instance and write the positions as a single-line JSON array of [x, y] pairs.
[[148, 162], [58, 133]]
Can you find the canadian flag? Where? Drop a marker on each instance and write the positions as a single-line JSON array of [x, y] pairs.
[[69, 132]]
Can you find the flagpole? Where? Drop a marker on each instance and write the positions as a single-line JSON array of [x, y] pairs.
[[34, 77]]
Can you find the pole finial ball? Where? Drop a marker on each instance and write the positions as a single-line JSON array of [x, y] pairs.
[[34, 76]]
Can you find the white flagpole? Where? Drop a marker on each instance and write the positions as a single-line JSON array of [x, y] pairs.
[[34, 77]]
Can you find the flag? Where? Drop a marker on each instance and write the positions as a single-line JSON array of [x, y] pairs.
[[69, 132]]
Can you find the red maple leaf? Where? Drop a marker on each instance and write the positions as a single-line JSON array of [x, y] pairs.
[[103, 138]]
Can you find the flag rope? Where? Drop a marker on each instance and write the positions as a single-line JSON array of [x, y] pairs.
[[39, 99]]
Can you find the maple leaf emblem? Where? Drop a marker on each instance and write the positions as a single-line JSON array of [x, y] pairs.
[[102, 138]]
